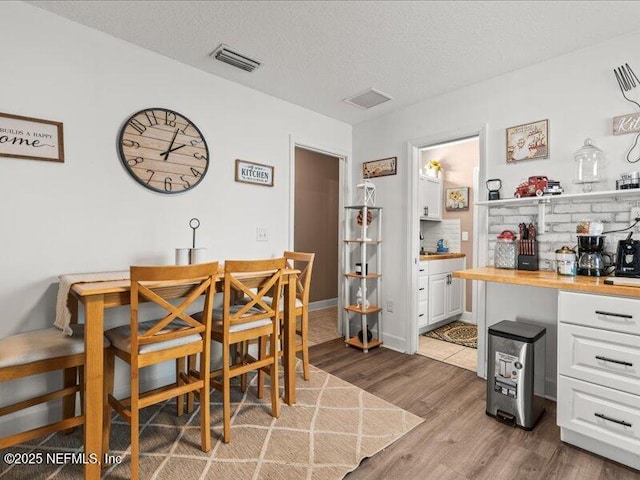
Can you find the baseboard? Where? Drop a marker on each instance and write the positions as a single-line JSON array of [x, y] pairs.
[[467, 317], [392, 342], [322, 304]]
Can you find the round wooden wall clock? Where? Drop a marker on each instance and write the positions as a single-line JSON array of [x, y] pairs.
[[163, 150]]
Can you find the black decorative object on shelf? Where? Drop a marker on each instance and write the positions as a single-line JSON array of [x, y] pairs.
[[369, 336]]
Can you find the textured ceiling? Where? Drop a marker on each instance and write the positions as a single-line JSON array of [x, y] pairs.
[[317, 53]]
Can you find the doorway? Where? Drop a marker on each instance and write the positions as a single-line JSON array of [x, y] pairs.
[[480, 244], [448, 333], [316, 222]]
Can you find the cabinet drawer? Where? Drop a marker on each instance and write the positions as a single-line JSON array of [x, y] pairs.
[[423, 269], [423, 319], [446, 266], [606, 358], [619, 314], [601, 413], [423, 288]]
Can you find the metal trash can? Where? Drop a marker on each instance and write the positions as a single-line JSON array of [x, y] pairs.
[[516, 373]]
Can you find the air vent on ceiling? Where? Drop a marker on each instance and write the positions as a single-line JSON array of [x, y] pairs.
[[225, 54], [367, 99]]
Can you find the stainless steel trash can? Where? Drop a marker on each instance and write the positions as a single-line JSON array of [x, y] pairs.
[[516, 373]]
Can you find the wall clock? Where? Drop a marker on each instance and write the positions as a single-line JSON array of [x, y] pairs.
[[163, 150]]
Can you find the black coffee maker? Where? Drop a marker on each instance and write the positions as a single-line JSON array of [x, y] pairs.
[[628, 258], [591, 258]]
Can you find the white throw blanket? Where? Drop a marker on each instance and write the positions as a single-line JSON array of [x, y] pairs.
[[63, 314]]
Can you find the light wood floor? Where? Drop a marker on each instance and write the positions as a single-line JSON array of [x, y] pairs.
[[457, 441], [447, 352], [323, 325]]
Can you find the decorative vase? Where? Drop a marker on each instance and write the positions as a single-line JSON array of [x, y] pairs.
[[361, 336]]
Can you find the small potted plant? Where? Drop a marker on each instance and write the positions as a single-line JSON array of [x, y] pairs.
[[434, 169]]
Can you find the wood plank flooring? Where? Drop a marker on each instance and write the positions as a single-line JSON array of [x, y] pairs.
[[458, 441]]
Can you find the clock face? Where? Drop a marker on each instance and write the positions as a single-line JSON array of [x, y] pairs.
[[163, 150]]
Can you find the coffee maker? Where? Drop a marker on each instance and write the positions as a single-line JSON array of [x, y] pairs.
[[591, 256], [628, 258]]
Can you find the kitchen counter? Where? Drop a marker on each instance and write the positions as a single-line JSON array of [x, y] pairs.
[[547, 279], [440, 256]]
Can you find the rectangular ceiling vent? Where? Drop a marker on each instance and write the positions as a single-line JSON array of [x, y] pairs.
[[225, 54], [367, 99]]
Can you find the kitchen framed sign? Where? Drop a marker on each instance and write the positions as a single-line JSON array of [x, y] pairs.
[[31, 138], [629, 123], [254, 173]]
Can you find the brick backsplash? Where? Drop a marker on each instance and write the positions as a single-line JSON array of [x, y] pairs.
[[448, 229], [561, 220]]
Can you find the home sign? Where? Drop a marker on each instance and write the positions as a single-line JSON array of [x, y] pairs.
[[30, 138]]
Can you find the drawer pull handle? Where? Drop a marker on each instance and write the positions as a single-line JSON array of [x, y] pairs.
[[614, 420], [421, 289], [421, 315], [609, 314], [620, 362], [422, 269]]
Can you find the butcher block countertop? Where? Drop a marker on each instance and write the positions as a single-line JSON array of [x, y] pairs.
[[547, 279], [440, 256]]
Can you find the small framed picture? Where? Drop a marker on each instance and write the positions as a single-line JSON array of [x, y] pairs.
[[457, 198], [380, 168], [254, 173], [528, 141]]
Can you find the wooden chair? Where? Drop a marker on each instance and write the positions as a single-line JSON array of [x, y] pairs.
[[173, 337], [303, 262], [43, 351], [235, 325]]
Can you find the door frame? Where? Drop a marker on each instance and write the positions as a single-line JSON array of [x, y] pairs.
[[344, 193], [480, 227]]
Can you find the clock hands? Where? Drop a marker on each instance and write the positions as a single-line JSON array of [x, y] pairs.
[[166, 153]]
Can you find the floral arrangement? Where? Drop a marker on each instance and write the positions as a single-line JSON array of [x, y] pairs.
[[435, 165]]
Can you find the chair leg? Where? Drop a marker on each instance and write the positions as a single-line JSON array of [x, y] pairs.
[[275, 389], [205, 401], [69, 379], [109, 367], [191, 365], [82, 379], [304, 328], [262, 352], [135, 423], [226, 395], [244, 350], [180, 362]]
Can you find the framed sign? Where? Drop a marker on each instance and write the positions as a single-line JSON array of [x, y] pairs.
[[380, 168], [457, 199], [528, 141], [254, 173], [31, 138]]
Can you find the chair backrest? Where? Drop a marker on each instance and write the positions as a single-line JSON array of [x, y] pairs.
[[157, 283], [304, 262], [252, 279]]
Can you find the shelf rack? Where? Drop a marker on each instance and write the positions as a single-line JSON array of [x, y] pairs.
[[354, 248]]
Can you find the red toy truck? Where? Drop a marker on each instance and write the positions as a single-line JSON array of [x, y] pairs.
[[536, 186]]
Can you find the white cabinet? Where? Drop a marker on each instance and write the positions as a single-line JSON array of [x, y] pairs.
[[430, 198], [444, 294], [599, 374]]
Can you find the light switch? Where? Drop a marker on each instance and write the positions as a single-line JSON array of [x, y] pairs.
[[465, 236], [261, 234]]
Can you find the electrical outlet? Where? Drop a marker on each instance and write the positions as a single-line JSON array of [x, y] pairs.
[[635, 213], [465, 236], [389, 306], [261, 234]]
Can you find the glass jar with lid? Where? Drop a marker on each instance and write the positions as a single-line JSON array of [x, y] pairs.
[[566, 261], [589, 165], [506, 252]]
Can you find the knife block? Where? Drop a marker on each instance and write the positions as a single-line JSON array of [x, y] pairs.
[[527, 255]]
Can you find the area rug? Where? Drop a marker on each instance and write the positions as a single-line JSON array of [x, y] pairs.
[[460, 333], [332, 427]]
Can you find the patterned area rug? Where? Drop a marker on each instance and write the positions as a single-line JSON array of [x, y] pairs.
[[324, 436], [460, 333]]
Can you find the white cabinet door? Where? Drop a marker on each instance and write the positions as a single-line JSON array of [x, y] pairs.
[[455, 296], [430, 198], [438, 297]]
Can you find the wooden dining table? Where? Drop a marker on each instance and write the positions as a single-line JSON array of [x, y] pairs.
[[96, 297]]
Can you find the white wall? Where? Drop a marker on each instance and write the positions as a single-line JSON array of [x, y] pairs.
[[88, 214], [577, 92]]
